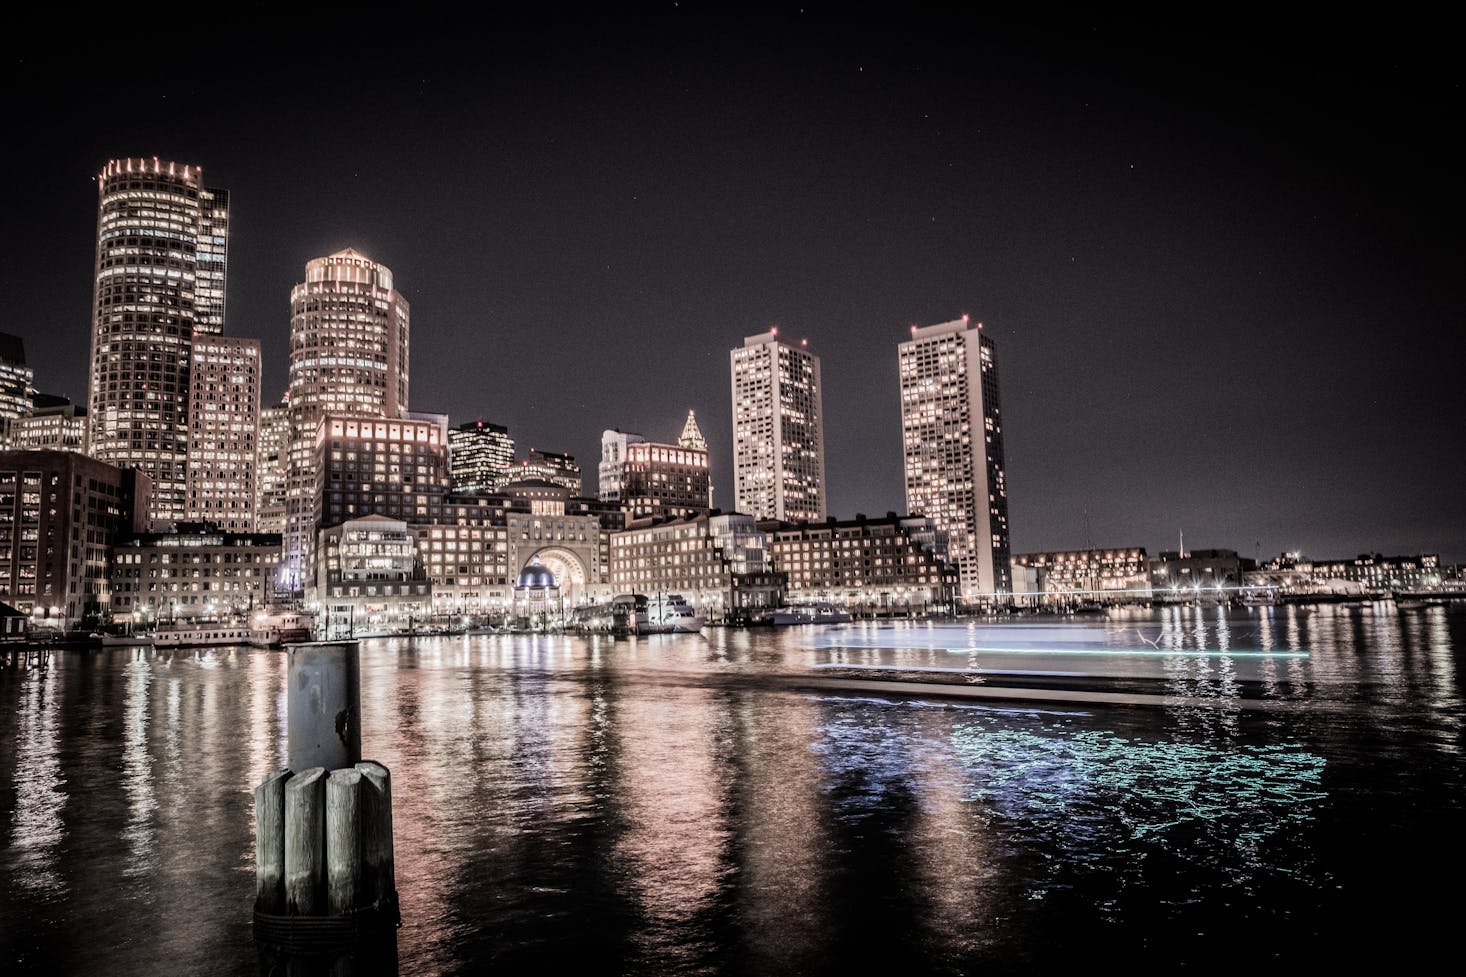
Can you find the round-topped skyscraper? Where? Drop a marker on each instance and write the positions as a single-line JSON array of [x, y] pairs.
[[348, 355], [161, 254]]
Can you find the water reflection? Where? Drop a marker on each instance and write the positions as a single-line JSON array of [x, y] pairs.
[[671, 805]]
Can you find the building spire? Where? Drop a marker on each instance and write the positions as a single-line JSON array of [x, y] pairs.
[[691, 436]]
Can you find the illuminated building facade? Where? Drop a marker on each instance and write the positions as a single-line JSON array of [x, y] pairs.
[[649, 479], [348, 357], [719, 564], [546, 466], [890, 566], [952, 446], [224, 410], [60, 514], [778, 429], [394, 467], [153, 291], [1373, 572], [199, 571], [1195, 574], [369, 576], [271, 455], [480, 455], [1091, 574], [16, 379], [54, 424]]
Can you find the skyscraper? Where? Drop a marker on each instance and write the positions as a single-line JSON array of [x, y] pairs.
[[272, 450], [153, 220], [223, 411], [348, 357], [952, 445], [778, 429], [481, 454]]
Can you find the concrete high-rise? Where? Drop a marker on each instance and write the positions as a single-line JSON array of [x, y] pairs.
[[348, 357], [224, 412], [162, 252], [778, 429], [952, 446]]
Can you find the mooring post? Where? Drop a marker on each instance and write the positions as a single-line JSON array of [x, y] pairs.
[[325, 882], [270, 843], [305, 843], [376, 849], [344, 883], [323, 714]]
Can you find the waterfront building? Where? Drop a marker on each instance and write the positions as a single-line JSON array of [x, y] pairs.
[[60, 514], [348, 357], [162, 248], [1090, 574], [223, 421], [719, 563], [545, 466], [650, 479], [480, 455], [895, 565], [369, 576], [16, 379], [53, 424], [1193, 574], [952, 449], [198, 571], [271, 457], [778, 429], [1374, 573]]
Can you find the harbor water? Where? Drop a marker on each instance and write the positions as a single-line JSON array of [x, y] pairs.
[[1192, 789]]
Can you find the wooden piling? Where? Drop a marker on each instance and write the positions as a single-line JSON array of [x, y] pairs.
[[379, 876], [270, 843], [305, 843], [344, 889]]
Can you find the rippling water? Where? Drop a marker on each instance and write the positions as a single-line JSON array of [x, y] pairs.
[[695, 804]]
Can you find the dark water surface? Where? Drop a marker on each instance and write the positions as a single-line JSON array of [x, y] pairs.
[[683, 804]]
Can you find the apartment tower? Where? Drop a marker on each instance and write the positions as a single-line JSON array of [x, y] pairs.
[[778, 429], [952, 447]]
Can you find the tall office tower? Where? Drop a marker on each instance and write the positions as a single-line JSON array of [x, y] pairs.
[[481, 455], [272, 450], [348, 356], [223, 425], [778, 430], [213, 253], [16, 379], [146, 306], [952, 442], [648, 479]]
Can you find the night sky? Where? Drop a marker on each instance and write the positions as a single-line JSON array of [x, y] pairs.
[[1222, 268]]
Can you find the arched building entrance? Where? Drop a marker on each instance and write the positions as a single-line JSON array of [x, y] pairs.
[[568, 568]]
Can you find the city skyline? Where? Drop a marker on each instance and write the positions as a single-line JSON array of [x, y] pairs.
[[1184, 278]]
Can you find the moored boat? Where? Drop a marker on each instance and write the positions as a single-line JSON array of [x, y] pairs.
[[816, 613], [670, 613]]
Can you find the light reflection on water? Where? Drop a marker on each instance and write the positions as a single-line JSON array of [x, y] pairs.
[[672, 805]]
